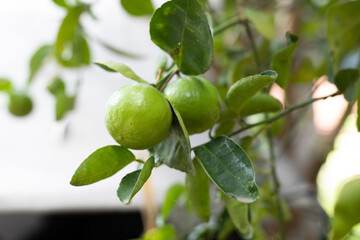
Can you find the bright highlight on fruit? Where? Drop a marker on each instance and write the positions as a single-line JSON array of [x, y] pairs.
[[138, 116], [197, 101]]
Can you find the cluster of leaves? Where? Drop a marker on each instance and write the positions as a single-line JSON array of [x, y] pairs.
[[181, 28]]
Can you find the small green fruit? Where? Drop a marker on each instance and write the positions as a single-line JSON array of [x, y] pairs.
[[138, 116], [20, 104]]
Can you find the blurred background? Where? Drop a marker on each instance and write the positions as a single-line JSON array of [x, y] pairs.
[[38, 155]]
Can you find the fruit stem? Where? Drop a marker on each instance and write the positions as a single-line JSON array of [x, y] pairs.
[[168, 80], [283, 113]]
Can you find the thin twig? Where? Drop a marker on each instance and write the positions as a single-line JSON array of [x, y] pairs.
[[234, 21], [253, 45], [285, 112]]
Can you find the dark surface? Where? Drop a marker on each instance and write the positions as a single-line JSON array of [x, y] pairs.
[[72, 225]]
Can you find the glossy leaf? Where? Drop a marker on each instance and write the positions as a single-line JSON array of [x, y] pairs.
[[38, 59], [120, 68], [343, 28], [71, 48], [229, 168], [281, 61], [264, 22], [175, 150], [5, 84], [239, 214], [241, 91], [346, 78], [166, 232], [224, 128], [138, 7], [198, 191], [171, 198], [134, 181], [347, 209], [180, 28], [261, 103], [102, 164]]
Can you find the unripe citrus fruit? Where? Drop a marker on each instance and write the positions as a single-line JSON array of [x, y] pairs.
[[19, 104], [197, 101], [138, 116]]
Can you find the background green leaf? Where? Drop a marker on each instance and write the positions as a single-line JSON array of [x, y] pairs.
[[347, 209], [281, 61], [5, 84], [171, 198], [239, 214], [166, 232], [175, 150], [241, 91], [134, 181], [224, 128], [343, 29], [38, 59], [264, 22], [229, 168], [198, 191], [71, 48], [138, 7], [101, 164], [120, 68], [346, 79], [180, 28]]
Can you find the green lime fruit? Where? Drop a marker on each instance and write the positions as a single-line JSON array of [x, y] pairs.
[[138, 116], [20, 104], [197, 101]]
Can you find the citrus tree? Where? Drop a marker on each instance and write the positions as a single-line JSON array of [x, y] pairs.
[[220, 65]]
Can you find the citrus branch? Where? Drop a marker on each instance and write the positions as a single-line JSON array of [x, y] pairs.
[[283, 113], [234, 21]]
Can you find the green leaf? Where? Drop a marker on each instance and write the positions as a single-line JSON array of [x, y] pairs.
[[229, 168], [117, 51], [134, 181], [63, 105], [102, 164], [343, 28], [120, 68], [166, 232], [203, 231], [281, 61], [261, 103], [224, 128], [347, 209], [181, 28], [71, 48], [346, 79], [38, 59], [241, 91], [61, 3], [226, 226], [56, 86], [138, 7], [198, 189], [5, 85], [171, 198], [175, 150], [306, 72], [264, 22], [239, 214]]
